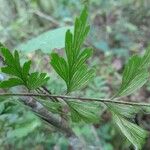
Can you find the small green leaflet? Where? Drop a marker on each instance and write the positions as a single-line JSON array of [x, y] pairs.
[[36, 80], [124, 111], [11, 82], [121, 116], [135, 134], [135, 74], [21, 74], [84, 111], [12, 63], [73, 70]]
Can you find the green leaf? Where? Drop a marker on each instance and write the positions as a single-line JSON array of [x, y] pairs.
[[36, 80], [60, 66], [54, 107], [11, 83], [46, 41], [80, 78], [17, 62], [80, 32], [73, 70], [84, 111], [8, 56], [85, 54], [13, 66], [26, 68], [122, 115], [10, 71], [124, 111], [135, 74], [68, 46], [146, 59], [22, 73], [135, 134]]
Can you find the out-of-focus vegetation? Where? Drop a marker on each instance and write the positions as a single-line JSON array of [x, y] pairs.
[[118, 28]]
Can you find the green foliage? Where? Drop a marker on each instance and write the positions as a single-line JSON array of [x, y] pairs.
[[15, 121], [124, 111], [74, 71], [54, 107], [134, 133], [11, 83], [135, 74], [21, 74], [36, 80], [121, 116], [81, 111]]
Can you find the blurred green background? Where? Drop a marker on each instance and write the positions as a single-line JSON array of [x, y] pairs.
[[119, 28]]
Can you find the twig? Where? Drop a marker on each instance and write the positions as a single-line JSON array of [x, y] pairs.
[[78, 98], [49, 92]]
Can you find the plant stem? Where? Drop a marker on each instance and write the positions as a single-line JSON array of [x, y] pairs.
[[78, 98], [47, 116]]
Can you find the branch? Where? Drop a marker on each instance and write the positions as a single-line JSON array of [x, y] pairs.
[[47, 116], [77, 98]]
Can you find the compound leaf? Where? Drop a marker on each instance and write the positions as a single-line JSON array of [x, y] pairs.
[[135, 74], [122, 115], [74, 70], [135, 134], [21, 74]]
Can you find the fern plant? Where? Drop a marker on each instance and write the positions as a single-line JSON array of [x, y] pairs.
[[73, 69]]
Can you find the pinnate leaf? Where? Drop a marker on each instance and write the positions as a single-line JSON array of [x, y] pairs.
[[21, 74], [73, 69], [135, 74], [122, 116], [135, 134]]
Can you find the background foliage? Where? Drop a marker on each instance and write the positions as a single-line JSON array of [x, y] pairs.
[[118, 29]]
